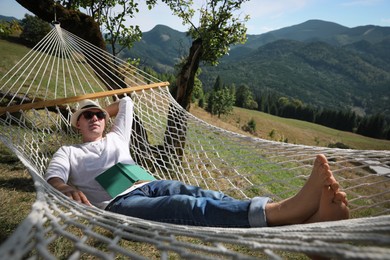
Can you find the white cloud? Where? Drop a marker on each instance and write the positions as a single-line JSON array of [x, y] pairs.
[[252, 29], [385, 20]]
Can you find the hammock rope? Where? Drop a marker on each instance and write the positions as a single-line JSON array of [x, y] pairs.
[[37, 97]]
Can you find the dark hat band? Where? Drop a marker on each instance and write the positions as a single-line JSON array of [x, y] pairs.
[[89, 106]]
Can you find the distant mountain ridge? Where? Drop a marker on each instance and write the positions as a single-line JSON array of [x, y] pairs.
[[7, 18], [169, 51], [321, 63], [317, 31], [316, 73], [160, 48], [329, 32]]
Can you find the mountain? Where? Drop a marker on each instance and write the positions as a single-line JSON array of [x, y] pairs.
[[160, 48], [321, 63], [315, 72], [317, 30], [7, 18], [314, 31]]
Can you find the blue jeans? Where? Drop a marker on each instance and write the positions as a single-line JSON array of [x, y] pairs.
[[178, 203]]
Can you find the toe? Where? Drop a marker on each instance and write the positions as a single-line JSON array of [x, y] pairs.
[[327, 195], [340, 197]]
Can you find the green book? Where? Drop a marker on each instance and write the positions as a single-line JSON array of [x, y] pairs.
[[120, 177]]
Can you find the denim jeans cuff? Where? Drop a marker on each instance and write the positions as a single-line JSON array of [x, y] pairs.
[[256, 214]]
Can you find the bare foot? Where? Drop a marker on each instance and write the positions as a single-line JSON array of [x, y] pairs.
[[333, 206], [306, 203], [320, 176]]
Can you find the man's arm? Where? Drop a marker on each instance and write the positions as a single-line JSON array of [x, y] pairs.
[[113, 108], [69, 191]]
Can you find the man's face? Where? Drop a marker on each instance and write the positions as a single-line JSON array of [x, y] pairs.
[[91, 124]]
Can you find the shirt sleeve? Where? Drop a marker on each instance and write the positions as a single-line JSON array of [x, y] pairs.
[[59, 165], [124, 120]]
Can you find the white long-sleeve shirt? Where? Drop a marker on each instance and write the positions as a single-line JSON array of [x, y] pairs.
[[79, 164]]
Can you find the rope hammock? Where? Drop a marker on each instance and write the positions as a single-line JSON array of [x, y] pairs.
[[38, 96]]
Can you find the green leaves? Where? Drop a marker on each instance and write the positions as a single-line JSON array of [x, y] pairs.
[[218, 27], [34, 29], [221, 99], [111, 15]]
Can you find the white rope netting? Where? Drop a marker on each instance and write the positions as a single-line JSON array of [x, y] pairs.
[[37, 97]]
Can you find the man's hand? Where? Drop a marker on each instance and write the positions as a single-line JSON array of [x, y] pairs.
[[69, 191]]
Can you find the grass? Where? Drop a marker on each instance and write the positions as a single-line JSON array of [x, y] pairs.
[[16, 187], [10, 54], [290, 130], [17, 193]]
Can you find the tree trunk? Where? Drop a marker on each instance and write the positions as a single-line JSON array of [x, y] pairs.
[[175, 135], [186, 77]]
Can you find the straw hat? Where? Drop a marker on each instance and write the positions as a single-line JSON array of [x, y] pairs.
[[85, 105]]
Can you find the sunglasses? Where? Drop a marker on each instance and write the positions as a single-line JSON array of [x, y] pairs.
[[89, 115]]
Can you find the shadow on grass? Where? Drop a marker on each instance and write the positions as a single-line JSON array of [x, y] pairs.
[[15, 39], [4, 234], [18, 184]]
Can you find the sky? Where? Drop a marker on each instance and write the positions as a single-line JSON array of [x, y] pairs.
[[265, 15]]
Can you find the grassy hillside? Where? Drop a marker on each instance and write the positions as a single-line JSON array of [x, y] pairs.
[[290, 130], [10, 54]]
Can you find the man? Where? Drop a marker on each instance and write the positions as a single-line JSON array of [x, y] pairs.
[[74, 168]]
